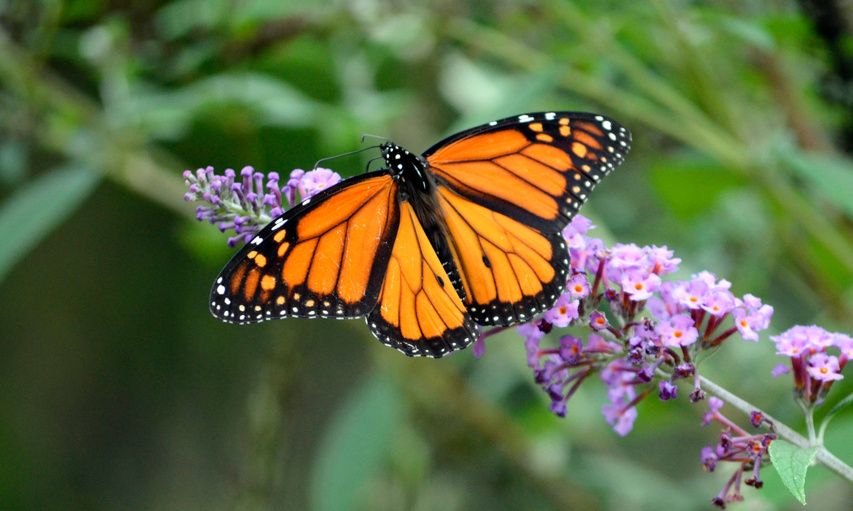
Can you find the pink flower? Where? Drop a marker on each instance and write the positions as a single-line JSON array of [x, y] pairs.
[[563, 312], [824, 367], [639, 285], [317, 180], [578, 286], [679, 331]]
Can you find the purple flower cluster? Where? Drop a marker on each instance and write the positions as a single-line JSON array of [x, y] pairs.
[[241, 204], [814, 369], [736, 446], [631, 351]]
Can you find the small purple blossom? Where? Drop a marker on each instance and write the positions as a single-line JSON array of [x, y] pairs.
[[639, 285], [678, 331], [661, 260], [578, 286], [690, 295], [823, 367], [241, 203], [317, 180], [563, 312], [667, 390], [779, 370]]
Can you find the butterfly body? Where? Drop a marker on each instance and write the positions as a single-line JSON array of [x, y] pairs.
[[429, 248]]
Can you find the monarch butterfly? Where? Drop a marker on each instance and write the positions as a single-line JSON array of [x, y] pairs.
[[427, 249]]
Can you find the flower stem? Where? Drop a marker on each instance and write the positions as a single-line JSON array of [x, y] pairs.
[[823, 456]]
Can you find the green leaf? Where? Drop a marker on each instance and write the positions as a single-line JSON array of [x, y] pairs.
[[690, 185], [36, 209], [791, 463], [831, 175], [355, 445]]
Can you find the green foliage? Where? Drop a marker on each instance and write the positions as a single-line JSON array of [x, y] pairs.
[[791, 464], [37, 208], [356, 444]]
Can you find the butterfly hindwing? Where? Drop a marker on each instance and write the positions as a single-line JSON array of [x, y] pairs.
[[323, 258], [536, 168], [510, 271], [419, 311]]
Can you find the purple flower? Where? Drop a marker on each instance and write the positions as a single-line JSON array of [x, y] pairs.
[[532, 331], [667, 390], [571, 348], [779, 370], [623, 258], [241, 203], [479, 347], [678, 331], [844, 343], [663, 306], [598, 321], [639, 285], [800, 339], [233, 204], [709, 458], [596, 344], [317, 180], [293, 186], [661, 260], [823, 367], [719, 302], [563, 312], [792, 343], [578, 226], [578, 286], [750, 321], [619, 416], [690, 294], [714, 405]]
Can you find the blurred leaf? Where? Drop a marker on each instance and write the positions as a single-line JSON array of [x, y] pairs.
[[791, 463], [691, 186], [749, 30], [355, 445], [13, 161], [177, 19], [831, 175], [39, 207], [168, 115]]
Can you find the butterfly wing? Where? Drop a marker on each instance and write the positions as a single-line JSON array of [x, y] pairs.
[[326, 257], [506, 190], [419, 311], [353, 250]]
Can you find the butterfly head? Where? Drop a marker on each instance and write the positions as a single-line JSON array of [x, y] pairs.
[[406, 166]]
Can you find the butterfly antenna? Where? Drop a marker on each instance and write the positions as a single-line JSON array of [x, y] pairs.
[[371, 161], [377, 137], [344, 154]]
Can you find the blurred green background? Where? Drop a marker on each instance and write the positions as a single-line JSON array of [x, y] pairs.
[[118, 390]]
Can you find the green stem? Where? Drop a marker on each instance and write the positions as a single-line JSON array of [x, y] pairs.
[[823, 456]]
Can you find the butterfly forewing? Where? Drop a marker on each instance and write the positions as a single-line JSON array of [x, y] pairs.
[[507, 189], [326, 257], [536, 168]]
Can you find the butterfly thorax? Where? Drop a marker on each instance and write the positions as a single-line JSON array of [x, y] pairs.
[[418, 188]]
